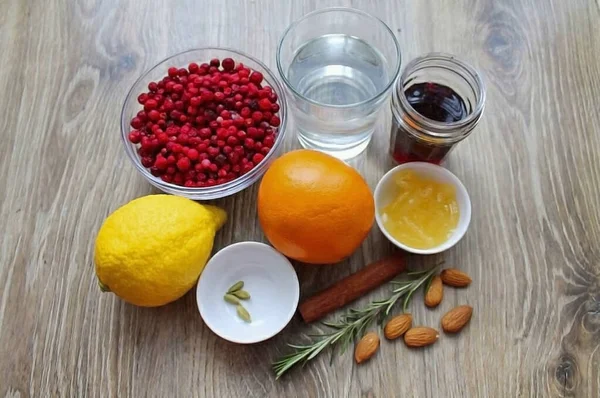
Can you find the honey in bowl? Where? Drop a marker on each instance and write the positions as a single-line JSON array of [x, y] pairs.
[[423, 212]]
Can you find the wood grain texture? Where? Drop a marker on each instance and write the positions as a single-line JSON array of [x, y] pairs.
[[532, 169]]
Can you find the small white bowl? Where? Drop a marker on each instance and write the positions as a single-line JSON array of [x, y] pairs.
[[384, 193], [269, 278]]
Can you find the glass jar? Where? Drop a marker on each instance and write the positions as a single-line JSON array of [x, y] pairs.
[[436, 103]]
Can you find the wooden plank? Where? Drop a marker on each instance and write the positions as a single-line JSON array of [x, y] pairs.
[[532, 169]]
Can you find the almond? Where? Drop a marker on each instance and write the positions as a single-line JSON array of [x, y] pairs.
[[435, 293], [457, 318], [421, 336], [397, 326], [455, 278], [366, 347]]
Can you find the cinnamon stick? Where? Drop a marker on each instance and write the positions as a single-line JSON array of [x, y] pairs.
[[352, 287]]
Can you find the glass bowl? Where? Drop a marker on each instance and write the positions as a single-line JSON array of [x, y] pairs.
[[201, 55]]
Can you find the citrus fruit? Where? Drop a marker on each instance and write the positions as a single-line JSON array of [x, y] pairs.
[[151, 251], [314, 208]]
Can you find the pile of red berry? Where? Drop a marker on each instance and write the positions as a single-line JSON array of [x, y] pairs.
[[207, 124]]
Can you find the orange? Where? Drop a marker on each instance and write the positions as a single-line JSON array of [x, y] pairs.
[[314, 208]]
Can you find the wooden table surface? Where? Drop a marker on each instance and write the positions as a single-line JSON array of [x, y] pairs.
[[532, 168]]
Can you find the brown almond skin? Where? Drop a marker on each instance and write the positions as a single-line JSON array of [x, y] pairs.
[[457, 318], [397, 326], [421, 336], [435, 294], [366, 347], [455, 278]]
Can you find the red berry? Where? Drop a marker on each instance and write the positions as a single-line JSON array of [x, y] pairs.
[[257, 116], [245, 112], [142, 98], [247, 167], [163, 138], [176, 148], [275, 121], [268, 141], [195, 101], [135, 137], [137, 123], [161, 163], [193, 154], [183, 164], [153, 115], [147, 161], [234, 158], [172, 72], [257, 158], [201, 148], [205, 164], [212, 151], [264, 104], [228, 64], [150, 104], [178, 178], [256, 77]]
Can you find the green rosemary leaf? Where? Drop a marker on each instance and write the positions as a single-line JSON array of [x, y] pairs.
[[333, 325], [353, 324], [416, 273]]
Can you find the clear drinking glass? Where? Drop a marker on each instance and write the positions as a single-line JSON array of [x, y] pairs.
[[339, 65]]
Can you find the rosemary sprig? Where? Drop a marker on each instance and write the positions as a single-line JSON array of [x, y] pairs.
[[354, 323]]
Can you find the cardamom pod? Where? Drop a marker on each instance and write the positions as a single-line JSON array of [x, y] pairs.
[[241, 294], [231, 299], [235, 287], [242, 313]]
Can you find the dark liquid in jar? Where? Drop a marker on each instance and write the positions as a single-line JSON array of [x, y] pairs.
[[433, 101]]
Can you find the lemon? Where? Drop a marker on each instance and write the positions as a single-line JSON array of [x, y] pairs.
[[152, 250]]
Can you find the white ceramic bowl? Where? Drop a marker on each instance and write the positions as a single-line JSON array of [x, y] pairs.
[[384, 193], [269, 278]]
